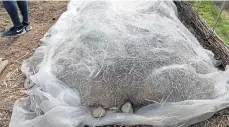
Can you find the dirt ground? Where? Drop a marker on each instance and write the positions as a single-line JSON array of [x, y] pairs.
[[43, 15]]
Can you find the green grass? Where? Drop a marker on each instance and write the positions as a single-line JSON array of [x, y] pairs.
[[210, 12]]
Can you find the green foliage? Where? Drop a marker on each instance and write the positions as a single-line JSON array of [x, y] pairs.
[[209, 12]]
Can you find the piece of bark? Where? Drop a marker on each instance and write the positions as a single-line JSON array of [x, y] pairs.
[[205, 35], [3, 64]]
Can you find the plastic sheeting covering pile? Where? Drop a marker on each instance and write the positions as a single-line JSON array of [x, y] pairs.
[[106, 53]]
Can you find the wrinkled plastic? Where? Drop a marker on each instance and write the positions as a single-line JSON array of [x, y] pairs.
[[105, 53]]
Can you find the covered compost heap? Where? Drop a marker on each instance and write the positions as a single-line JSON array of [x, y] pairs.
[[106, 53]]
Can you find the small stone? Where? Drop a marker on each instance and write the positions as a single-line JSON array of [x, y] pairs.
[[98, 112], [7, 21], [127, 108]]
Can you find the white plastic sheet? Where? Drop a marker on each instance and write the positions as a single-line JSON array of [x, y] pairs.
[[109, 52]]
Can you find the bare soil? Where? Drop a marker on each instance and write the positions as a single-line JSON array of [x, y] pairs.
[[43, 15]]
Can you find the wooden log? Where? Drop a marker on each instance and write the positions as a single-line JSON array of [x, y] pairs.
[[205, 35]]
